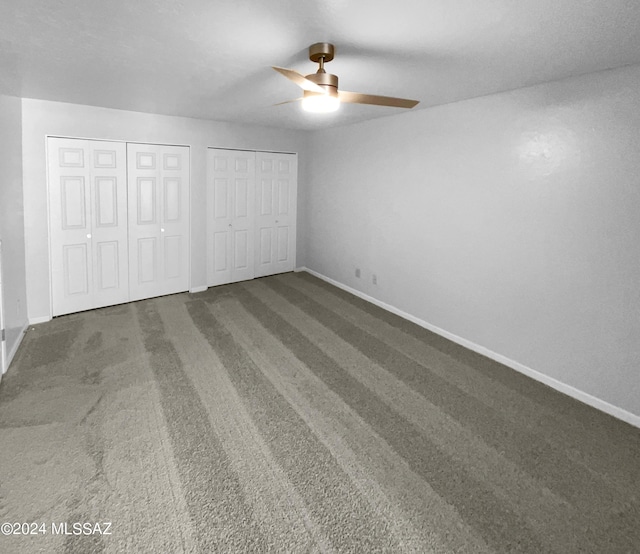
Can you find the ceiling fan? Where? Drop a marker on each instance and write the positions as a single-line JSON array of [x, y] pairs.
[[321, 92]]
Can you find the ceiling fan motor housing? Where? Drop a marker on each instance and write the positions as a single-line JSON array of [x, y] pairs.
[[327, 81]]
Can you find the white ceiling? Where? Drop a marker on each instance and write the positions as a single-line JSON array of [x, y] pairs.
[[211, 58]]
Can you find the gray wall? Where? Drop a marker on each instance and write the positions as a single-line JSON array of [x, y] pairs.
[[511, 221], [12, 221], [41, 118]]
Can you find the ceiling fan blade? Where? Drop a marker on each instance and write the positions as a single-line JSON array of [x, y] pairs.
[[288, 101], [359, 98], [299, 79]]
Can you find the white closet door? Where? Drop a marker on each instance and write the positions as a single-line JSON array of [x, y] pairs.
[[275, 235], [231, 190], [109, 215], [88, 224], [158, 219]]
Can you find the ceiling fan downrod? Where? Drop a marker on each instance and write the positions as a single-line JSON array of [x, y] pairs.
[[319, 53]]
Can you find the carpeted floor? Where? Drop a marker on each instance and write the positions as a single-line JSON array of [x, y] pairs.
[[285, 415]]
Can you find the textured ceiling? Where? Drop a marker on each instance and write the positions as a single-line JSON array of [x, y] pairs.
[[211, 58]]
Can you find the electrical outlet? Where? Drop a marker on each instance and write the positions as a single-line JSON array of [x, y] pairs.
[[374, 278], [358, 272]]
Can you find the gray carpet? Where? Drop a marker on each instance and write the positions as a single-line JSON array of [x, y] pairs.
[[285, 415]]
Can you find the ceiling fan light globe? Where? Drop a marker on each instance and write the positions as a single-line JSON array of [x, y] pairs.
[[320, 103]]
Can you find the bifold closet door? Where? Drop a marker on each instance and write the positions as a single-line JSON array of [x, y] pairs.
[[276, 188], [231, 193], [88, 224], [158, 219]]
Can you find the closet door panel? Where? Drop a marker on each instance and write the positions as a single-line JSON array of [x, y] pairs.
[[77, 272], [264, 218], [221, 255], [242, 200], [70, 225], [282, 245], [173, 251], [175, 226], [276, 176], [106, 202], [147, 261], [241, 252], [158, 219], [146, 193], [144, 225], [109, 217], [73, 203], [230, 209], [220, 248], [108, 274], [265, 242]]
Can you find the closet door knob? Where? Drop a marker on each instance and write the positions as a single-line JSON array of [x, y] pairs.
[[162, 230], [88, 235]]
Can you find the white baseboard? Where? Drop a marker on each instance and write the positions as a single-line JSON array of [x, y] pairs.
[[36, 320], [198, 289], [564, 388]]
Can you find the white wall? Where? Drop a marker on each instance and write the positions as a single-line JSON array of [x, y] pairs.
[[511, 221], [12, 222], [41, 118]]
